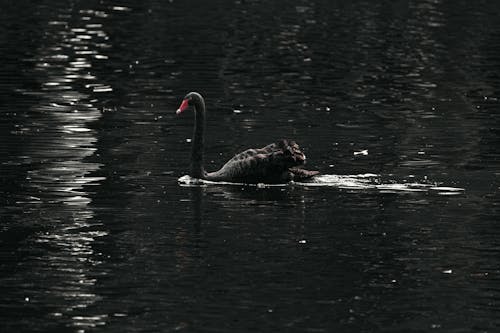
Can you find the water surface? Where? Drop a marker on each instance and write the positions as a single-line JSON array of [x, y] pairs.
[[396, 103]]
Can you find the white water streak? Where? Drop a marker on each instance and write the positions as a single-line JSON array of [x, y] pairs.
[[351, 182]]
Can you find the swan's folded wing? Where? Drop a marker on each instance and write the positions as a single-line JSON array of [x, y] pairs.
[[270, 164], [252, 152], [252, 168]]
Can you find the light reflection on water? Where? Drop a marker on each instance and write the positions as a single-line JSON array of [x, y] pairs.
[[60, 173]]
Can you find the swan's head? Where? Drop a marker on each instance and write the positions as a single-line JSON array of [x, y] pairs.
[[193, 98]]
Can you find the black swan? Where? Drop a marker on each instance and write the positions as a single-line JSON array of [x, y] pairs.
[[275, 163]]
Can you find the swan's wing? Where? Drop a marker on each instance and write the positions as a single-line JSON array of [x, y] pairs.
[[288, 150], [251, 167], [249, 153], [268, 164]]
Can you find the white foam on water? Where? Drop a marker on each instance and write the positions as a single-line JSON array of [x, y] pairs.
[[366, 181], [188, 181]]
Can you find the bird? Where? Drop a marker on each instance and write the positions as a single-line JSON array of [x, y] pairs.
[[278, 162]]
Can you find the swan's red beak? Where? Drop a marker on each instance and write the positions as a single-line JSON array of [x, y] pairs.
[[184, 106]]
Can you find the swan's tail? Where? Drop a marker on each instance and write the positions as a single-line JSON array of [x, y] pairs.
[[301, 174]]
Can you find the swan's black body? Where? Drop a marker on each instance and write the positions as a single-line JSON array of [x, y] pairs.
[[275, 163]]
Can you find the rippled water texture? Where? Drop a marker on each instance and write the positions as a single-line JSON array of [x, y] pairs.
[[394, 102]]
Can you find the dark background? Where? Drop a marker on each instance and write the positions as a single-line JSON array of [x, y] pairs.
[[97, 235]]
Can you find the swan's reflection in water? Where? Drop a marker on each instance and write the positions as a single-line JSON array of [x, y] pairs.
[[59, 146]]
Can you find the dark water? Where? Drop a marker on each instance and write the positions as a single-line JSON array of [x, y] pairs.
[[96, 234]]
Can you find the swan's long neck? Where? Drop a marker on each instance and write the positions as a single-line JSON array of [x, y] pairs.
[[197, 170]]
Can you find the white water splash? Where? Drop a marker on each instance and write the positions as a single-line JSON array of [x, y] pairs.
[[352, 182], [373, 181]]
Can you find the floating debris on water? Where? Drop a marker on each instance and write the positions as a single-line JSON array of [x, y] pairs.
[[361, 152]]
